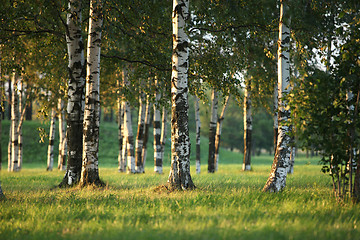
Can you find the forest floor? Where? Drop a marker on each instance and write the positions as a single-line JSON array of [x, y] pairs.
[[226, 205]]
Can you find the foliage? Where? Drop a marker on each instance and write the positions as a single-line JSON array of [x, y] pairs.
[[325, 103]]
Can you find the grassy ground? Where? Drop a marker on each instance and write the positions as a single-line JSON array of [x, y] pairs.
[[226, 205]]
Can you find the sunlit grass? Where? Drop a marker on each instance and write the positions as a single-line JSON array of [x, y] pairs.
[[226, 205]]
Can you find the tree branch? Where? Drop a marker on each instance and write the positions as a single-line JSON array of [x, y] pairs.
[[145, 62]]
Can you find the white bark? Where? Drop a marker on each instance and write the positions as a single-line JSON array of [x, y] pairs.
[[90, 170], [62, 136], [198, 128], [277, 179], [247, 126], [180, 177], [129, 138], [14, 125], [76, 101], [50, 153], [139, 168], [218, 132], [157, 133]]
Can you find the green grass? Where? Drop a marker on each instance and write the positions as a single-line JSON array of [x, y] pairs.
[[226, 205]]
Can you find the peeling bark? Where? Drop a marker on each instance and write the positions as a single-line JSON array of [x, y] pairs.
[[198, 128], [158, 164], [218, 132], [277, 179], [62, 136], [50, 153], [90, 168], [75, 105], [247, 126], [212, 131], [179, 177]]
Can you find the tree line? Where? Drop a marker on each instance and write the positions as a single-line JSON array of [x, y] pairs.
[[297, 59]]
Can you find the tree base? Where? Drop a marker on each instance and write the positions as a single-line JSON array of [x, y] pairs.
[[168, 188]]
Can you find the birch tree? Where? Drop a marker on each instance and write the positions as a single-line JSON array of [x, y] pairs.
[[120, 116], [139, 168], [218, 131], [14, 167], [75, 105], [146, 131], [157, 132], [277, 179], [128, 141], [50, 153], [247, 126], [212, 130], [62, 136], [90, 169], [179, 177], [198, 141]]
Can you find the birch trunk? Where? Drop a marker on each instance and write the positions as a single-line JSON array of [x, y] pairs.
[[90, 169], [14, 126], [198, 128], [146, 131], [277, 179], [10, 129], [247, 126], [218, 132], [121, 162], [157, 134], [62, 136], [19, 128], [179, 177], [50, 153], [212, 131], [139, 168], [129, 139], [163, 133], [75, 105]]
